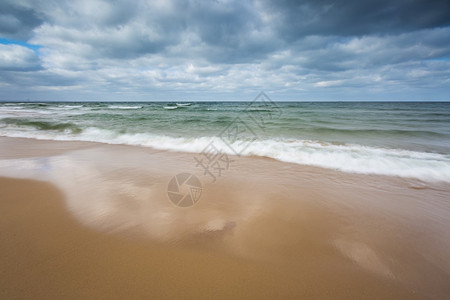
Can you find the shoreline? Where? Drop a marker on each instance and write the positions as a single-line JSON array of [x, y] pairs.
[[12, 147], [284, 229]]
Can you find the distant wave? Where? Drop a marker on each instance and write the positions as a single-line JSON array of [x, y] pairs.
[[374, 132], [170, 107], [70, 106], [43, 125], [344, 157], [123, 107]]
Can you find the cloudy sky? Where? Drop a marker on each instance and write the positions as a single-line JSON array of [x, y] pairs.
[[224, 50]]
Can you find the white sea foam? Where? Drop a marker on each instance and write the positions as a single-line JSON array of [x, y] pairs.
[[123, 107], [23, 112], [347, 158], [66, 107]]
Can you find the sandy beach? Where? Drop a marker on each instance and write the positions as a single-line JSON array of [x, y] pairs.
[[90, 220], [224, 149]]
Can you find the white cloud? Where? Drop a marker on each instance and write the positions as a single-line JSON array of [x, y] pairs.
[[18, 58], [328, 83]]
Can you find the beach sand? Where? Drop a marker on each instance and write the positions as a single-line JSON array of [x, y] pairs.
[[95, 221]]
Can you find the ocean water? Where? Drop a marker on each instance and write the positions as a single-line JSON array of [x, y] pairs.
[[388, 138]]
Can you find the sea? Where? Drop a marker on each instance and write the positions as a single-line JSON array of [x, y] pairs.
[[402, 139]]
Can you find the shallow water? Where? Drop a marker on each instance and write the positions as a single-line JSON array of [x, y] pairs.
[[398, 139]]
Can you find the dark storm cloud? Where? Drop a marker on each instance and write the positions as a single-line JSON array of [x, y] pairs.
[[221, 32], [17, 21], [99, 29], [338, 54], [224, 46], [348, 18], [233, 32]]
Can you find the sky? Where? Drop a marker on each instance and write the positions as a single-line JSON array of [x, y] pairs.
[[312, 50]]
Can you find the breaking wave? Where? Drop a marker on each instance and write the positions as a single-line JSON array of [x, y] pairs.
[[344, 157]]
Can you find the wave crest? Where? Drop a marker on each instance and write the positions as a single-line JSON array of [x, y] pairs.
[[343, 157]]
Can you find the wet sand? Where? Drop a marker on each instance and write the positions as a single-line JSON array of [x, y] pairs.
[[94, 220]]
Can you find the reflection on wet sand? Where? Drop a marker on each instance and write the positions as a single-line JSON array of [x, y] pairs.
[[312, 225]]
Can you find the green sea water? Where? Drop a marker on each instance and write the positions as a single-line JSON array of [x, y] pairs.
[[408, 139]]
